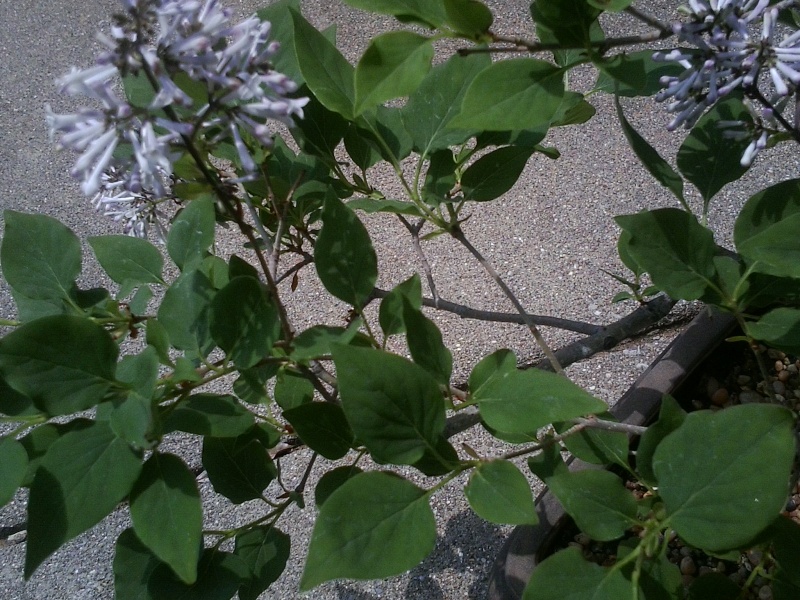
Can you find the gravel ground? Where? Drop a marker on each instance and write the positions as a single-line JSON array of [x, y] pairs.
[[550, 237]]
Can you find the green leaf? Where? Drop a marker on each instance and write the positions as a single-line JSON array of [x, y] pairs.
[[191, 234], [375, 525], [285, 59], [426, 345], [292, 390], [219, 574], [509, 95], [424, 12], [523, 401], [437, 100], [134, 565], [597, 500], [743, 454], [659, 577], [764, 210], [41, 258], [673, 248], [573, 110], [37, 442], [316, 341], [167, 515], [80, 480], [14, 404], [611, 5], [493, 174], [709, 159], [327, 73], [13, 467], [597, 446], [775, 250], [633, 74], [264, 550], [157, 338], [499, 493], [322, 427], [128, 260], [393, 66], [439, 460], [320, 130], [244, 321], [570, 23], [786, 552], [499, 363], [565, 575], [650, 158], [670, 417], [468, 17], [714, 586], [184, 312], [779, 328], [373, 205], [332, 481], [392, 309], [210, 414], [63, 363], [344, 257], [394, 406], [239, 468]]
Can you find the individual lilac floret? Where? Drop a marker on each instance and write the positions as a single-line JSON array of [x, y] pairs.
[[156, 40], [136, 211], [728, 53]]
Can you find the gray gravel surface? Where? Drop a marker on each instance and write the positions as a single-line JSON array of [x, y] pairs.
[[550, 238]]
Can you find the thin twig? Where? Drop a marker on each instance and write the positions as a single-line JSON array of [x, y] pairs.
[[548, 442], [466, 312], [595, 423], [649, 20], [458, 234], [414, 231]]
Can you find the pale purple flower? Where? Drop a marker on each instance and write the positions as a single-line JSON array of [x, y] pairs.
[[137, 212]]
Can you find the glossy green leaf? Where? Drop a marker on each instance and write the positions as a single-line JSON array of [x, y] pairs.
[[468, 17], [670, 417], [316, 341], [708, 158], [597, 446], [386, 205], [611, 5], [650, 158], [392, 309], [659, 577], [673, 248], [133, 567], [292, 390], [128, 259], [509, 95], [786, 551], [393, 66], [743, 454], [219, 575], [38, 441], [764, 210], [633, 74], [320, 130], [570, 23], [63, 363], [375, 525], [437, 100], [424, 12], [438, 460], [344, 257], [211, 415], [779, 328], [41, 258], [327, 73], [322, 427], [500, 362], [264, 550], [279, 16], [499, 493], [332, 481], [573, 110], [13, 467], [184, 312], [426, 345], [239, 468], [523, 401], [157, 337], [597, 500], [191, 234], [80, 480], [775, 250], [493, 174], [244, 321], [12, 403], [394, 406], [167, 515], [565, 575]]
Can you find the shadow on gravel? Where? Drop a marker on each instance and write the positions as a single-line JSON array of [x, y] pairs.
[[468, 547]]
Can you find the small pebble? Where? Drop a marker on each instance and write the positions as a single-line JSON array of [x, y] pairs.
[[779, 366], [712, 385], [783, 376], [16, 538], [776, 354], [705, 570], [749, 397], [765, 593], [778, 387], [754, 556], [792, 368], [720, 397], [583, 539], [736, 578], [743, 379]]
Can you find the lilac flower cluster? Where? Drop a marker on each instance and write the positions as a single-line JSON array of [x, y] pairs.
[[159, 40], [735, 41]]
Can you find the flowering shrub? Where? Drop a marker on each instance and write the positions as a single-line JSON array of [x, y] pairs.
[[194, 128]]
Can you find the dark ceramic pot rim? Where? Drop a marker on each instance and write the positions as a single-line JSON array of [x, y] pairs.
[[527, 545]]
